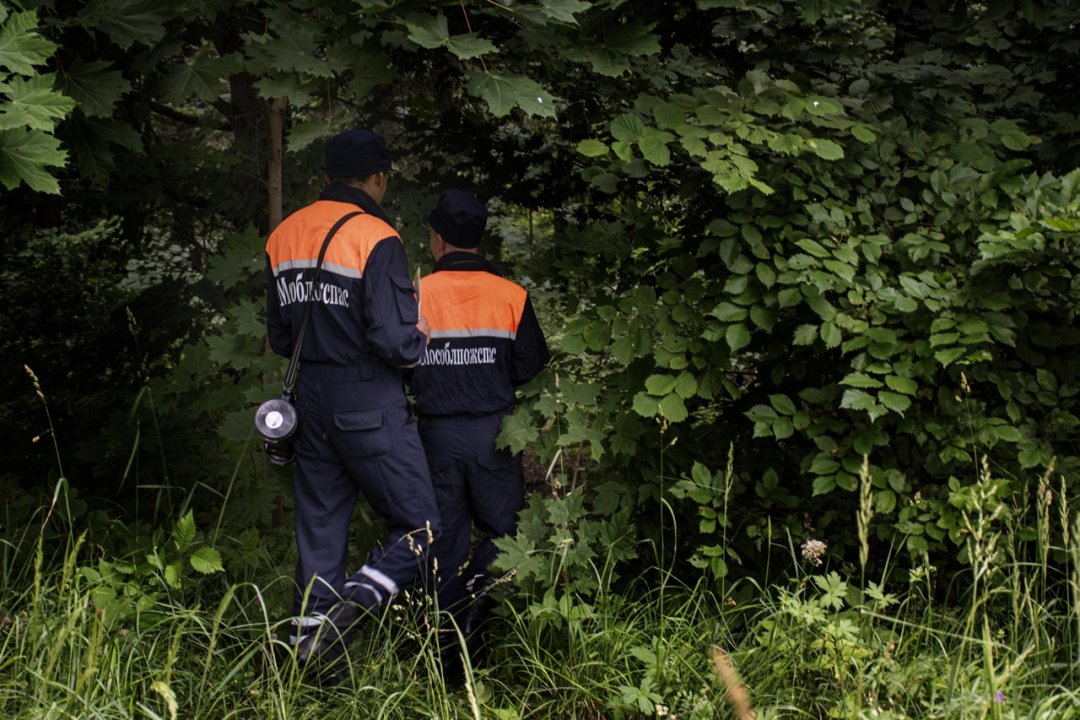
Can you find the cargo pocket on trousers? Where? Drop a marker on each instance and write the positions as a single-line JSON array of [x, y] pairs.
[[405, 299], [363, 433], [498, 462], [501, 492]]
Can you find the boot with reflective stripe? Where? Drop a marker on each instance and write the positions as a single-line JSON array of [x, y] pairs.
[[325, 644], [470, 621], [480, 603]]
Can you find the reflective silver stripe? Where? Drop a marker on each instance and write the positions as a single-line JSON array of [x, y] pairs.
[[380, 579], [478, 332], [303, 623], [367, 586], [342, 270], [328, 266]]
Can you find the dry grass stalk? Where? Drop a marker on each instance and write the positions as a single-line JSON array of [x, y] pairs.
[[866, 512], [1043, 499], [1063, 513], [736, 692], [1074, 559]]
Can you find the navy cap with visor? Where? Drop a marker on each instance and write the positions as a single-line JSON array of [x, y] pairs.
[[356, 154], [459, 217]]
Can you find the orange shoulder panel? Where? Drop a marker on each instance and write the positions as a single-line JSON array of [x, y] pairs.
[[464, 303], [296, 242]]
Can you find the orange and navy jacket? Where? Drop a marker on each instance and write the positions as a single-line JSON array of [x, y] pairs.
[[485, 339], [364, 306]]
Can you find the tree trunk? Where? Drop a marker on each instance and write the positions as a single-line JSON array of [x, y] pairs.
[[275, 122]]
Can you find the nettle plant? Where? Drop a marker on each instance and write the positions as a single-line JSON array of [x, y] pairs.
[[131, 588]]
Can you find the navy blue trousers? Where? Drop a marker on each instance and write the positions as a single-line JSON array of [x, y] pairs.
[[357, 434], [475, 484]]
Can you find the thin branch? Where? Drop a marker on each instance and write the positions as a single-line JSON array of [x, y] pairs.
[[469, 26]]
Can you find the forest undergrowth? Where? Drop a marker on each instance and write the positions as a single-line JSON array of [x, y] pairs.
[[87, 635]]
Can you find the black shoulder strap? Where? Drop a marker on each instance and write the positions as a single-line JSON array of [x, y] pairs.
[[290, 374]]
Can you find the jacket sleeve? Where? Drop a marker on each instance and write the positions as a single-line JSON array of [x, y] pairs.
[[530, 348], [278, 325], [390, 309]]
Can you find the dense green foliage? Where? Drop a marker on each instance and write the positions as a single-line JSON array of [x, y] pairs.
[[811, 270]]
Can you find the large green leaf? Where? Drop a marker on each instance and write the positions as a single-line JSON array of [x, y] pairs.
[[737, 336], [369, 71], [627, 128], [206, 560], [127, 22], [184, 531], [202, 77], [592, 148], [563, 10], [805, 334], [860, 380], [21, 47], [26, 155], [660, 384], [610, 57], [470, 46], [304, 133], [33, 103], [428, 31], [432, 32], [633, 38], [654, 147], [902, 384], [826, 149], [286, 85], [94, 86], [503, 93], [673, 408], [297, 51], [895, 401], [646, 405], [93, 139], [602, 60]]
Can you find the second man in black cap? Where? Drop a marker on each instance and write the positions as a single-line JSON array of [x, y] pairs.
[[485, 341]]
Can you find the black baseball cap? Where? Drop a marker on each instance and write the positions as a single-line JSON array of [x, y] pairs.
[[459, 217], [356, 154]]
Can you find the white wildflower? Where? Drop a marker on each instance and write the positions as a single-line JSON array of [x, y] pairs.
[[813, 550]]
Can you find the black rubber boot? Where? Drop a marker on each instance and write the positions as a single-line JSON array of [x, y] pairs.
[[476, 614], [450, 660], [323, 649], [480, 604]]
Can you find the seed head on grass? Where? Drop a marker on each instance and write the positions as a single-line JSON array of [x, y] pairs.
[[736, 692], [1074, 557], [866, 512], [1063, 513], [1044, 498], [34, 379]]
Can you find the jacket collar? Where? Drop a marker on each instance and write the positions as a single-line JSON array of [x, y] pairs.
[[464, 261], [340, 192]]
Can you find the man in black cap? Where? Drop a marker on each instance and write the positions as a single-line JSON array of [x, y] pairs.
[[485, 341], [357, 431]]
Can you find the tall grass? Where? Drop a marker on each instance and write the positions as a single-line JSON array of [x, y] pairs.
[[820, 646], [85, 636], [63, 656]]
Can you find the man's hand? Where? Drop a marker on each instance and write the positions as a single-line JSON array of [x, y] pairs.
[[423, 326]]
